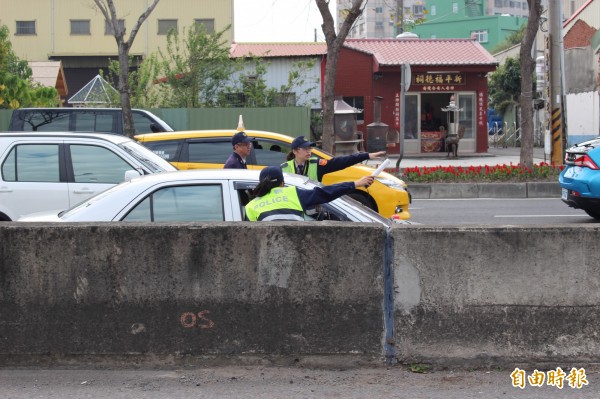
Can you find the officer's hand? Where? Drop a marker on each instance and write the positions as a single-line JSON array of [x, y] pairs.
[[379, 154], [364, 182]]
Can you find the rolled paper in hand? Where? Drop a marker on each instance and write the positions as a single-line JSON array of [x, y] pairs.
[[381, 167]]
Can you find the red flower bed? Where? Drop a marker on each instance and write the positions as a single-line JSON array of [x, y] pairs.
[[540, 172]]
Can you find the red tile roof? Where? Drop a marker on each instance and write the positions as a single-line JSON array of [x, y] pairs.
[[385, 51], [424, 51], [239, 50]]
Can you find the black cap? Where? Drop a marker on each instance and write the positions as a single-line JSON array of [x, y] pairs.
[[272, 173], [301, 142], [240, 137]]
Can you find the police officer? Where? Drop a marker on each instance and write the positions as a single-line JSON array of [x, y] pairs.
[[275, 202], [301, 162], [242, 145]]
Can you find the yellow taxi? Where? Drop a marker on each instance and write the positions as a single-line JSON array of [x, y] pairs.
[[209, 149]]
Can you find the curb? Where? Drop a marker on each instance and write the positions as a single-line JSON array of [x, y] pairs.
[[484, 190]]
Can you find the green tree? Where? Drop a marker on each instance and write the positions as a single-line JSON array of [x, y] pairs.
[[144, 90], [513, 39], [196, 65], [16, 87], [504, 85]]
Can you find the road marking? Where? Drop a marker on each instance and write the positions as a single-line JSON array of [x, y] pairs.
[[538, 216]]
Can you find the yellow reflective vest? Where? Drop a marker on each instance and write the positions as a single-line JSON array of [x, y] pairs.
[[312, 164], [281, 203]]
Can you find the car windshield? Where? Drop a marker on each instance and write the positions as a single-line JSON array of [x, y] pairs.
[[153, 162]]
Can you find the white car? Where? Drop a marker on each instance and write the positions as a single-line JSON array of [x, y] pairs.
[[200, 195], [47, 171]]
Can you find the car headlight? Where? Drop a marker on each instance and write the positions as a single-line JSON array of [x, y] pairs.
[[396, 184]]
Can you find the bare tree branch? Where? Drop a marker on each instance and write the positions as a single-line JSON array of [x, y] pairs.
[[334, 45], [107, 7]]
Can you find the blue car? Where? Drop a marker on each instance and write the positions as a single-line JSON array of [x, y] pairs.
[[580, 180]]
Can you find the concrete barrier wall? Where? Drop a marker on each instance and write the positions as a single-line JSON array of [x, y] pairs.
[[191, 289], [474, 295], [497, 294]]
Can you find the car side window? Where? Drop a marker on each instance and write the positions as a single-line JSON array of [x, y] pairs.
[[269, 152], [164, 149], [32, 163], [94, 164], [94, 121], [46, 121], [141, 123], [209, 151], [199, 203]]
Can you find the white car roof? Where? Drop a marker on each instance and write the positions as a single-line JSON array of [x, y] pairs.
[[229, 174], [114, 138]]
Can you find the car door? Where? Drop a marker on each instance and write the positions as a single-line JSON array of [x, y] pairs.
[[92, 168], [183, 201], [33, 179]]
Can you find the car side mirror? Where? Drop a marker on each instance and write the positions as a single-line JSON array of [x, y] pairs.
[[131, 174], [154, 128]]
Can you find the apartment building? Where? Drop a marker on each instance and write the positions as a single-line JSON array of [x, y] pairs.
[[76, 33], [379, 17]]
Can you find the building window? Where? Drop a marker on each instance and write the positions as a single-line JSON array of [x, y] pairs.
[[108, 29], [209, 24], [480, 35], [433, 10], [25, 28], [80, 26], [499, 3], [165, 25], [418, 10], [455, 8], [378, 10]]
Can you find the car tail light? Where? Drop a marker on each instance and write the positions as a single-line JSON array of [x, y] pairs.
[[581, 160]]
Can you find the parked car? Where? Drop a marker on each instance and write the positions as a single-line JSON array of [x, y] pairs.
[[195, 196], [210, 148], [105, 120], [45, 171], [580, 180]]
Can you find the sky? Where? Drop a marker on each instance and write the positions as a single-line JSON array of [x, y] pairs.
[[278, 20]]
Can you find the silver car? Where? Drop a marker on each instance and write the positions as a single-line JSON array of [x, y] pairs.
[[201, 195]]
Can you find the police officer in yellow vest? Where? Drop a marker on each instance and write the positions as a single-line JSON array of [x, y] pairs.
[[301, 162], [275, 202]]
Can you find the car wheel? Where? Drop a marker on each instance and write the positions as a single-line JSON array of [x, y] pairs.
[[593, 213], [363, 199]]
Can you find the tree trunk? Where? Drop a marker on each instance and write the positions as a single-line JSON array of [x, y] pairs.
[[107, 7], [527, 69], [334, 45], [124, 90]]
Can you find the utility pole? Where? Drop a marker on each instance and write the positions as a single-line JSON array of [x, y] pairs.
[[555, 47], [399, 23]]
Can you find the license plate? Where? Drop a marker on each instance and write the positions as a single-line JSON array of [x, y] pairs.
[[564, 194]]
